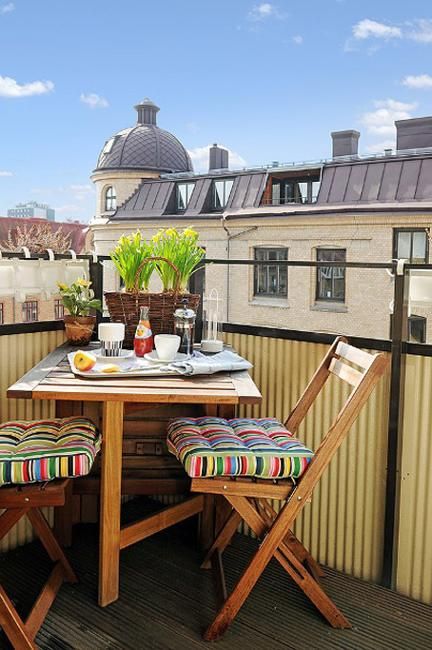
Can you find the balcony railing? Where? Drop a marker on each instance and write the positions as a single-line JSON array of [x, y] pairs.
[[381, 476], [284, 201]]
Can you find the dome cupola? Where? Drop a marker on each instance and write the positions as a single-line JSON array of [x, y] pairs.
[[144, 146]]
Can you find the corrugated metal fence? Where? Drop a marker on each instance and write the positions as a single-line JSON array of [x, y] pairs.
[[343, 526], [19, 353]]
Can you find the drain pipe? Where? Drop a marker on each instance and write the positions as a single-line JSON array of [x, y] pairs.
[[228, 249]]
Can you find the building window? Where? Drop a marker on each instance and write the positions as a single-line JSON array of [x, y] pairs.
[[417, 329], [412, 245], [285, 191], [30, 311], [58, 310], [110, 199], [271, 279], [221, 192], [184, 193], [1, 313], [331, 279]]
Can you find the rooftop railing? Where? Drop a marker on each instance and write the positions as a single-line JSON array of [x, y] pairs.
[[275, 166]]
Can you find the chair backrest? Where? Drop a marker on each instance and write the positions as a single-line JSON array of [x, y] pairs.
[[363, 378]]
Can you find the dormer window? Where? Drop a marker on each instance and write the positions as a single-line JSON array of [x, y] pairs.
[[184, 193], [110, 199], [221, 193], [109, 145]]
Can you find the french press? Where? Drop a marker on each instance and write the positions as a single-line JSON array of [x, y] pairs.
[[184, 322]]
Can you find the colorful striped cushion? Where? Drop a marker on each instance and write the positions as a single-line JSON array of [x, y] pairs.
[[43, 450], [241, 447]]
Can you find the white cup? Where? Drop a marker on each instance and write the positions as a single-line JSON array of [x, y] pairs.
[[111, 336], [167, 346]]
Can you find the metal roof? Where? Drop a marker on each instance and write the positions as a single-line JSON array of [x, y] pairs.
[[157, 198], [378, 181]]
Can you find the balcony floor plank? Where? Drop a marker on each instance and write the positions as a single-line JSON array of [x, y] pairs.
[[167, 601]]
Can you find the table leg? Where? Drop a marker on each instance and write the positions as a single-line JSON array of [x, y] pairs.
[[63, 517], [110, 502]]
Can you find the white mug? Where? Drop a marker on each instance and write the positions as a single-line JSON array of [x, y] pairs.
[[167, 346]]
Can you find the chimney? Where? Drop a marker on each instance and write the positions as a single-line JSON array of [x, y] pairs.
[[345, 143], [414, 134], [218, 158]]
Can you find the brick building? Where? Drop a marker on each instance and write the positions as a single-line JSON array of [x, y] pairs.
[[348, 208]]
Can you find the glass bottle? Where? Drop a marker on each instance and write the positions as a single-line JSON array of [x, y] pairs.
[[143, 341]]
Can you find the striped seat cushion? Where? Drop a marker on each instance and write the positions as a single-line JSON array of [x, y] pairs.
[[43, 450], [263, 448]]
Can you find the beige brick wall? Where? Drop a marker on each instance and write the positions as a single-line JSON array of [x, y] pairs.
[[13, 309], [366, 238], [8, 309], [125, 183]]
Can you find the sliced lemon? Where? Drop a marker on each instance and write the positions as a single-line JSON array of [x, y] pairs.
[[111, 368]]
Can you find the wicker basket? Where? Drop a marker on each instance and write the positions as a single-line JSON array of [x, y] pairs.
[[124, 306]]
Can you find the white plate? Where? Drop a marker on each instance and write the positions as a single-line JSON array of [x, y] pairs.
[[124, 354], [153, 357]]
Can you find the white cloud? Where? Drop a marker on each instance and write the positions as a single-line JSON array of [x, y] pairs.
[[381, 120], [417, 81], [11, 88], [420, 30], [4, 173], [262, 11], [7, 8], [298, 39], [93, 100], [200, 158], [367, 28]]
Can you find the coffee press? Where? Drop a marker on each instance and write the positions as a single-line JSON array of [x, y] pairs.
[[184, 322]]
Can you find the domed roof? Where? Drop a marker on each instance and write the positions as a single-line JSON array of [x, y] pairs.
[[145, 146]]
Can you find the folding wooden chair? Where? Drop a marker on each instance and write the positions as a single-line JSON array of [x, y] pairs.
[[36, 460], [28, 501], [248, 497]]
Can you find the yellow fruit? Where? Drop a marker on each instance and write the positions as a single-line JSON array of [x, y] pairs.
[[111, 368], [84, 360]]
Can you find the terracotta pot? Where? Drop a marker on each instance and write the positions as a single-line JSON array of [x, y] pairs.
[[79, 329]]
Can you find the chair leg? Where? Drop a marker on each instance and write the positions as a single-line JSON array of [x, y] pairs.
[[311, 588], [268, 548], [223, 539], [294, 567], [9, 518], [13, 626], [44, 601], [50, 543], [294, 544]]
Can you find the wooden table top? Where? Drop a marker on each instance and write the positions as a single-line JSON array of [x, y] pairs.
[[53, 379]]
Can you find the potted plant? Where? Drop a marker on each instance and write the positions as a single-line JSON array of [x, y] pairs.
[[174, 256], [182, 250], [78, 298]]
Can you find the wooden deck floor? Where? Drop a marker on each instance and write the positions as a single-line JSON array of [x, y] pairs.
[[166, 601]]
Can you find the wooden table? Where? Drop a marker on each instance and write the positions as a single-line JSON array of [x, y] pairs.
[[51, 379]]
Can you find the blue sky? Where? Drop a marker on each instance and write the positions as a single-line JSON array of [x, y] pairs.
[[269, 80]]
